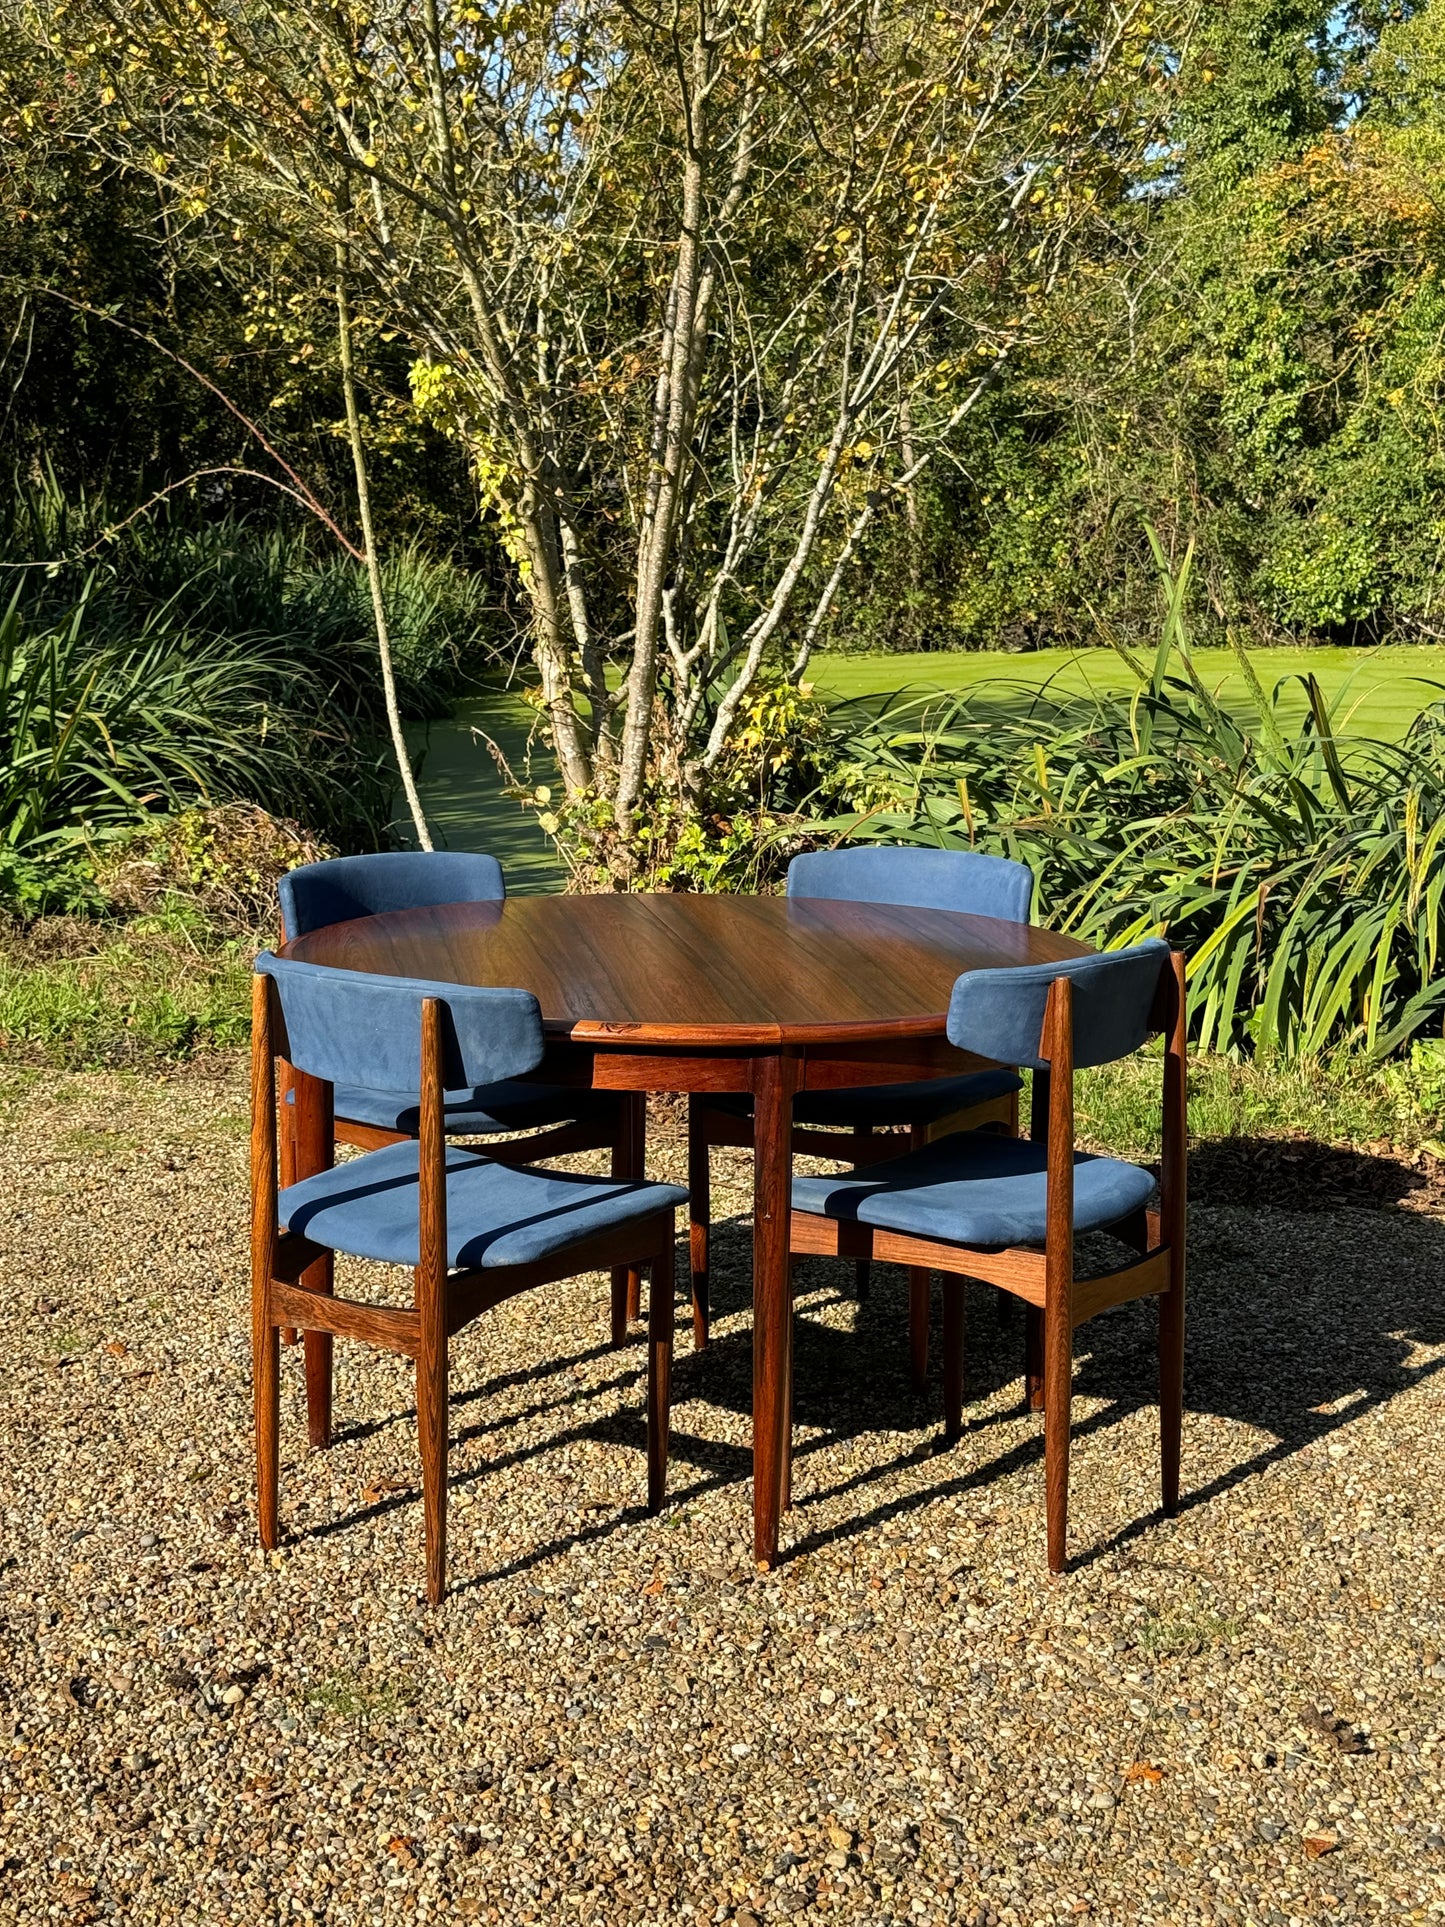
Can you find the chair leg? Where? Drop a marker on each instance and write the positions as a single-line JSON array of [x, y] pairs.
[[659, 1373], [266, 1386], [699, 1230], [432, 1414], [1034, 1397], [862, 1269], [639, 1169], [920, 1309], [953, 1334], [1058, 1390], [319, 1350], [1171, 1389], [628, 1152], [286, 1145]]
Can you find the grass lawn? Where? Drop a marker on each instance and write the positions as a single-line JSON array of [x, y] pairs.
[[1382, 690]]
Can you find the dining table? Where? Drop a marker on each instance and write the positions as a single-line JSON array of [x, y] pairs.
[[767, 995]]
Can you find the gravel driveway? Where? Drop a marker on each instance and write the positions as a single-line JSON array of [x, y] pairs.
[[1235, 1716]]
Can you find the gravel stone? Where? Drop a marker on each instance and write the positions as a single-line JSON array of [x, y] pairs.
[[613, 1719]]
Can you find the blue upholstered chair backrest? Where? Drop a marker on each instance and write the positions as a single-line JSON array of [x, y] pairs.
[[349, 1027], [1000, 1013], [367, 886], [967, 880]]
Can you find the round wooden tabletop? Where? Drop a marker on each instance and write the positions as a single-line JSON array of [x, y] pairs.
[[721, 970]]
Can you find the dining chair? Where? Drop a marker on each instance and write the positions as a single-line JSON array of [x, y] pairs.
[[563, 1120], [1007, 1210], [473, 1231], [862, 1124]]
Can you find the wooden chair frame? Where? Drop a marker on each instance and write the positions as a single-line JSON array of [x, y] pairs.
[[1056, 1302], [302, 1124], [291, 1286], [707, 1125]]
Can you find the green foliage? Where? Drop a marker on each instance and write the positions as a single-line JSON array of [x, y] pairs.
[[1340, 1100], [98, 729], [190, 663], [228, 576], [85, 998], [729, 840], [1303, 871]]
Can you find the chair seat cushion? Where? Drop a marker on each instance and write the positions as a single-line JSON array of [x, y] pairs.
[[974, 1188], [497, 1214], [885, 1105], [492, 1108]]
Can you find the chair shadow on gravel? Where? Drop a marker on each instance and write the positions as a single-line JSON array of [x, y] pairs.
[[722, 1464], [1312, 1300], [547, 1367]]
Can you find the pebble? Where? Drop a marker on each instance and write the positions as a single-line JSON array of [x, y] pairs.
[[614, 1720]]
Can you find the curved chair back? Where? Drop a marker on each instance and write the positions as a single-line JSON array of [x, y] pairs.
[[1000, 1013], [967, 880], [366, 886], [348, 1027]]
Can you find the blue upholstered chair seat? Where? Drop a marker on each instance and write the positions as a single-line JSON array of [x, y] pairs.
[[497, 1214], [974, 1188], [883, 1105], [512, 1105]]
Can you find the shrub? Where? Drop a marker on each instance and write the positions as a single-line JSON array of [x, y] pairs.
[[1303, 870]]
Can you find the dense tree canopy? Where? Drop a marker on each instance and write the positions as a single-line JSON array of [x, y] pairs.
[[744, 328]]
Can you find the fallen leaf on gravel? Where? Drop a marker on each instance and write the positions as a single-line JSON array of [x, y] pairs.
[[1143, 1770], [1317, 1845], [1338, 1732], [383, 1488]]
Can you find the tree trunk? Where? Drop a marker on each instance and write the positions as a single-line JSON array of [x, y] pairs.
[[373, 564]]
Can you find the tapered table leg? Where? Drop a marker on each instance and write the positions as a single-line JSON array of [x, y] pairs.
[[775, 1079], [314, 1141]]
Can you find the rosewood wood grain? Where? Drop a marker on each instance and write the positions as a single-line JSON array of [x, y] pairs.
[[634, 1107], [953, 1340], [660, 1294], [920, 1298], [1034, 1318], [678, 970], [392, 1328], [772, 1298], [313, 1132], [1147, 1279], [1173, 1216], [1059, 1268], [1020, 1272], [431, 1293], [699, 1196], [265, 1339]]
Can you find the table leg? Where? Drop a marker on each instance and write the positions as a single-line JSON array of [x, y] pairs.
[[314, 1146], [775, 1079]]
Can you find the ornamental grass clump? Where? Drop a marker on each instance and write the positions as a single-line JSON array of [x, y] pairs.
[[1301, 867]]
